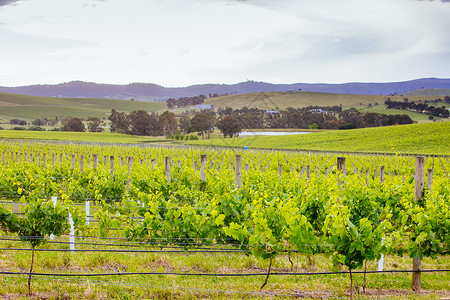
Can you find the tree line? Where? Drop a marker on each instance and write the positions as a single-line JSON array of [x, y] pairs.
[[231, 121], [185, 101], [327, 117], [421, 107], [142, 123]]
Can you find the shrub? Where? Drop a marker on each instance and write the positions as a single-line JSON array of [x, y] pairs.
[[36, 128], [347, 126]]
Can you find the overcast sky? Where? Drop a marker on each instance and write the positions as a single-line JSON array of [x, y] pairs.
[[184, 42]]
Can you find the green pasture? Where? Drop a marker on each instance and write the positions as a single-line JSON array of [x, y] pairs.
[[32, 107], [279, 100], [418, 117], [91, 137], [430, 138], [428, 92]]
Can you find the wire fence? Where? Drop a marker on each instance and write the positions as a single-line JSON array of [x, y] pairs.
[[221, 274]]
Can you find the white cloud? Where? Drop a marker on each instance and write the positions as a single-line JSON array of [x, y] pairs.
[[180, 42]]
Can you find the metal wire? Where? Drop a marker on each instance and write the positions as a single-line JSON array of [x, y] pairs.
[[220, 274]]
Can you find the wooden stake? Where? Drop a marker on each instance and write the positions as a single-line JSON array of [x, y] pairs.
[[419, 186], [167, 168], [95, 163], [111, 166], [130, 165], [238, 171], [81, 163], [203, 160], [429, 179], [280, 171]]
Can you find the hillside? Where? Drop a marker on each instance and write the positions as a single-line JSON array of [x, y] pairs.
[[428, 92], [429, 138], [15, 106], [151, 91], [33, 107], [279, 100]]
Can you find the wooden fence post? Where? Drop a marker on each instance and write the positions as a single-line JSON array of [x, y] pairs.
[[238, 171], [419, 185], [111, 166], [367, 176], [429, 179], [95, 163], [280, 171], [82, 163], [340, 168], [130, 165], [167, 168], [203, 159]]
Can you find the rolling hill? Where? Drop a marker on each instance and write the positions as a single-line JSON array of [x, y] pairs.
[[428, 92], [15, 106], [150, 91], [33, 107], [281, 100]]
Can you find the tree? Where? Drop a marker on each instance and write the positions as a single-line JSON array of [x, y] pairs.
[[95, 124], [184, 123], [73, 124], [372, 119], [229, 126], [352, 116], [203, 122], [168, 123], [171, 102], [119, 122], [142, 123], [39, 122]]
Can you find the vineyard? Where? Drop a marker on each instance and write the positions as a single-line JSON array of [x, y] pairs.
[[430, 139], [125, 222]]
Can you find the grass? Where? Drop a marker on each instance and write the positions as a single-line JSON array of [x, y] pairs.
[[418, 117], [279, 100], [91, 137], [431, 138], [428, 92], [32, 107], [189, 287]]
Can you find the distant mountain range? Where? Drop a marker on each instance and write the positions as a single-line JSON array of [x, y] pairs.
[[150, 91]]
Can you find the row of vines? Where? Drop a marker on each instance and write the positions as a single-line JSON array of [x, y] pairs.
[[274, 202]]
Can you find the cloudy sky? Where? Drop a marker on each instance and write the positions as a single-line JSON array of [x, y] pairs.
[[184, 42]]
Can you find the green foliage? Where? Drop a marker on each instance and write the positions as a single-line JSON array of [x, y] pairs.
[[309, 206], [41, 219], [417, 138]]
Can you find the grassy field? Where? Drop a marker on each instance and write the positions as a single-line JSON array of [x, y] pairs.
[[91, 137], [31, 107], [431, 138], [418, 117], [28, 108], [279, 100], [428, 92], [389, 285]]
